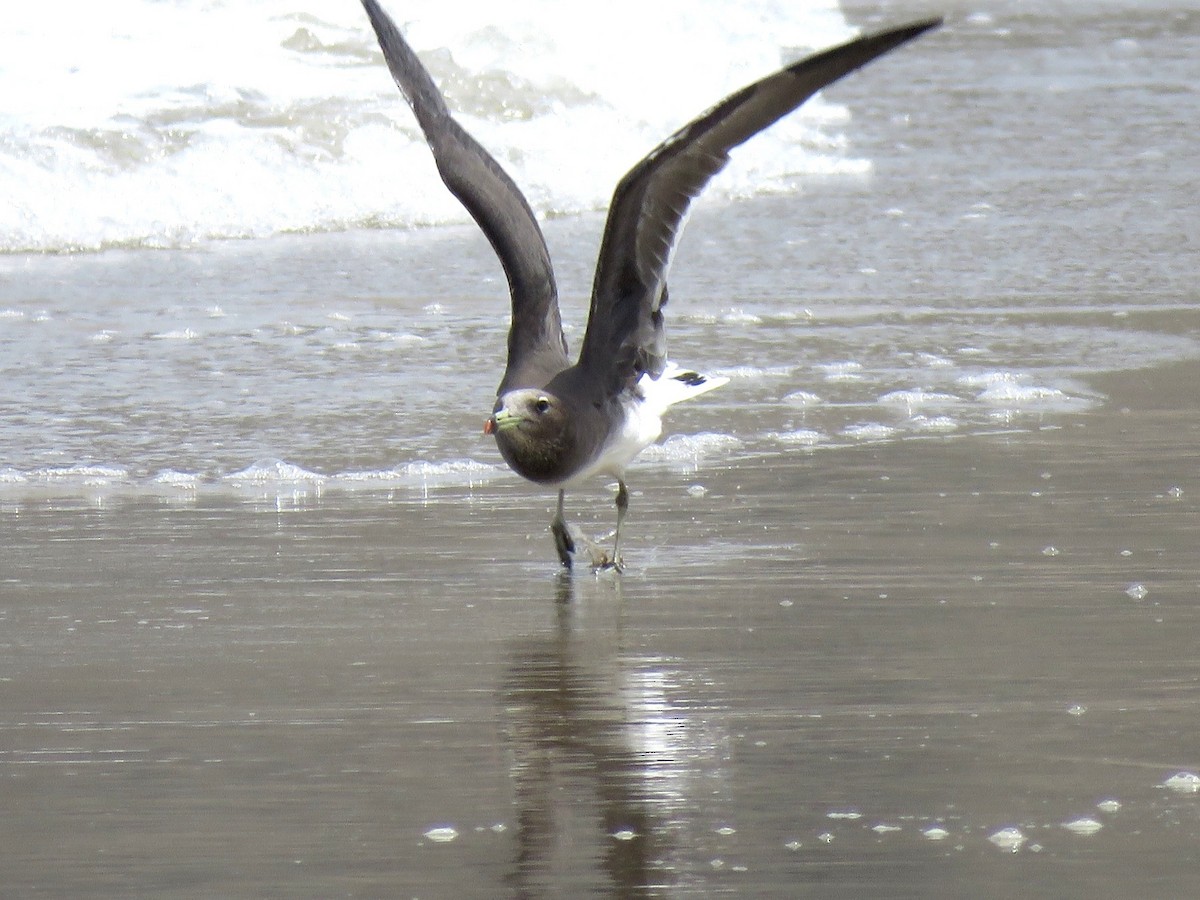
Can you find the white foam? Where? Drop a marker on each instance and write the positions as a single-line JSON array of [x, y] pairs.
[[939, 424], [1020, 394], [269, 472], [82, 480], [1137, 591], [1013, 392], [916, 398], [402, 338], [801, 398], [1084, 826], [739, 316], [1183, 783], [869, 431], [1008, 839], [754, 373], [121, 125], [182, 480], [421, 473], [88, 475], [691, 448], [805, 437], [275, 476], [179, 334], [843, 370], [934, 361]]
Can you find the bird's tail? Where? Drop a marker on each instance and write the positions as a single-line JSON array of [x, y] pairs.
[[676, 384]]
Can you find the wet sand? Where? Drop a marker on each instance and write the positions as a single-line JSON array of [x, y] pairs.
[[802, 672]]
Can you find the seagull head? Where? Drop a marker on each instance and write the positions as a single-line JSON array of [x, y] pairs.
[[533, 433]]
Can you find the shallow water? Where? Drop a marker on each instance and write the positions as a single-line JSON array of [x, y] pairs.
[[916, 590], [805, 672]]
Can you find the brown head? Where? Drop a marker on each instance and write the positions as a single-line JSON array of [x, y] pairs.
[[534, 434]]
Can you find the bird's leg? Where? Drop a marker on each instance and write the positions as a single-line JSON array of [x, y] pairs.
[[622, 506], [563, 542], [568, 540]]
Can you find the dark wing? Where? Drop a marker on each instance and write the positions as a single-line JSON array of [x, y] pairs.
[[536, 347], [624, 335]]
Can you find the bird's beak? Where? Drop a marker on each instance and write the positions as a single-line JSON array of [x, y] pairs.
[[502, 420]]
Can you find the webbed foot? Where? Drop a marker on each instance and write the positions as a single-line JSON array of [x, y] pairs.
[[564, 543], [608, 565], [569, 540]]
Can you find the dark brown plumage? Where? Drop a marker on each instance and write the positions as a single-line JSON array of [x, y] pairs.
[[555, 422]]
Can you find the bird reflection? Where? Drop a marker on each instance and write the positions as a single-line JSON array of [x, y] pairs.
[[600, 761]]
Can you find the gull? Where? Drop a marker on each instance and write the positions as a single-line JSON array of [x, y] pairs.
[[559, 423]]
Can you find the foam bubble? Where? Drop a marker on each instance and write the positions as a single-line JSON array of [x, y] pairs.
[[273, 472], [691, 448], [803, 436], [179, 334], [182, 480], [915, 398], [801, 398], [844, 370], [1183, 783], [869, 431], [755, 372], [421, 473], [78, 474], [934, 361], [1020, 394], [1011, 390], [740, 317], [1084, 826], [934, 423], [1008, 839]]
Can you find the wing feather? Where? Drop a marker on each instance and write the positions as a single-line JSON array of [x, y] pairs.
[[537, 349], [624, 335]]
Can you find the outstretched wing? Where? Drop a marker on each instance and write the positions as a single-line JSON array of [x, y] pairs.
[[536, 347], [624, 335]]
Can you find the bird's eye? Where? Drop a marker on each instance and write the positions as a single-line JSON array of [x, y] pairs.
[[542, 405]]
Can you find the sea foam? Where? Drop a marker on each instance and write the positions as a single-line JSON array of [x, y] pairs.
[[141, 123]]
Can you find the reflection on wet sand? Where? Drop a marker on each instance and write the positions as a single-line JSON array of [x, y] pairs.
[[601, 754]]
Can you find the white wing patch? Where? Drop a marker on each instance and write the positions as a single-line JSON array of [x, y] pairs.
[[674, 385]]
